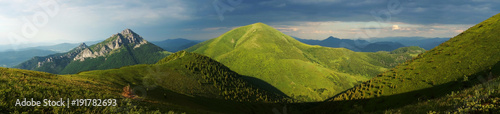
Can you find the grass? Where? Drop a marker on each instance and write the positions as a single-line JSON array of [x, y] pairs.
[[452, 66], [481, 98], [297, 69], [412, 50], [182, 82]]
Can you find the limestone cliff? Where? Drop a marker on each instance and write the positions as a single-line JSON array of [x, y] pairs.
[[124, 45]]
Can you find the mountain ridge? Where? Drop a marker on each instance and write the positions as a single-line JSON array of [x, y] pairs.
[[260, 51], [120, 47], [175, 45], [376, 44], [468, 59]]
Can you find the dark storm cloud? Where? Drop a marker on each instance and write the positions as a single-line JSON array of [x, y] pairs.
[[413, 11], [200, 19]]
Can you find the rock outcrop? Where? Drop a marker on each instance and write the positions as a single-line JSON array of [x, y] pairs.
[[125, 48], [126, 37]]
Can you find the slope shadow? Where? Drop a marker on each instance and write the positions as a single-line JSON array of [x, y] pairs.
[[380, 104], [263, 85], [166, 100]]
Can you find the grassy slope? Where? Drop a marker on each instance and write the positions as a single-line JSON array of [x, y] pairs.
[[308, 73], [412, 50], [453, 65], [182, 82]]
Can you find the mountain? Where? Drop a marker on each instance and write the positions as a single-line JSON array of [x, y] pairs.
[[426, 43], [121, 49], [304, 72], [381, 46], [17, 45], [355, 45], [12, 58], [62, 47], [174, 45], [412, 50], [445, 73], [181, 82]]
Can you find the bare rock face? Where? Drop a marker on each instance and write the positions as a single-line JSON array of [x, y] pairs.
[[126, 38], [122, 44], [71, 54]]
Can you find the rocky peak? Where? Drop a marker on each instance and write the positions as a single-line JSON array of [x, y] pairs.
[[80, 47], [129, 36], [127, 31], [126, 38], [83, 45], [332, 38]]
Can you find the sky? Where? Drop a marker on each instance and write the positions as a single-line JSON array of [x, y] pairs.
[[74, 21]]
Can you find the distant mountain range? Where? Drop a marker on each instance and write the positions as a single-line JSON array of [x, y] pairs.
[[62, 47], [122, 49], [376, 44], [426, 43], [12, 58]]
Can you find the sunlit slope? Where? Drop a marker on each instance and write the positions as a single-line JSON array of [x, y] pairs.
[[456, 64], [19, 84], [182, 82], [304, 72], [481, 98]]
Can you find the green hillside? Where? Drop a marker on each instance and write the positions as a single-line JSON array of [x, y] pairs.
[[182, 82], [468, 59], [304, 72], [412, 50]]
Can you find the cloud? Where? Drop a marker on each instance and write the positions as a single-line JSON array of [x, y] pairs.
[[84, 20], [354, 30], [314, 1], [395, 27], [273, 3], [287, 29], [214, 28]]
